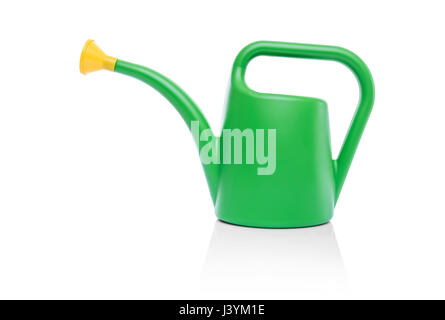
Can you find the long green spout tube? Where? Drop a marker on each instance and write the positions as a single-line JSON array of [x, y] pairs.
[[188, 110], [94, 59]]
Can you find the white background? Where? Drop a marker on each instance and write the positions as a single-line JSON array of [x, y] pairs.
[[101, 191]]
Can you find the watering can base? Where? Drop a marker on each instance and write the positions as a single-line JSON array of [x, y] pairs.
[[275, 225]]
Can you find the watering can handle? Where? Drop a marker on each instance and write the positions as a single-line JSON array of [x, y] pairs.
[[346, 57]]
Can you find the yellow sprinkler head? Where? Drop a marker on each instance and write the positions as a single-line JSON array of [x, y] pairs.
[[94, 59]]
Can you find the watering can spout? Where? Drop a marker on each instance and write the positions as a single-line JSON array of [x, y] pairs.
[[94, 59]]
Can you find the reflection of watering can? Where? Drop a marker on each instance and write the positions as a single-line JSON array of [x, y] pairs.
[[305, 184], [290, 259]]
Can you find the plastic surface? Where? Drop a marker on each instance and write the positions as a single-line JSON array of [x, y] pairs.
[[93, 58], [307, 182]]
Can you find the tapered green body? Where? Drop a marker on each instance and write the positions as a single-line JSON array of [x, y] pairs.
[[306, 183], [301, 191]]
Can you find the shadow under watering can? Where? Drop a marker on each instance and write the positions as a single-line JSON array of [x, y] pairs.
[[247, 259], [303, 189]]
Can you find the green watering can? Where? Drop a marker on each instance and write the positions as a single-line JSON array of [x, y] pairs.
[[272, 166]]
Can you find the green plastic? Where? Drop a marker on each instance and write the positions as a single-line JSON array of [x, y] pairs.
[[307, 181]]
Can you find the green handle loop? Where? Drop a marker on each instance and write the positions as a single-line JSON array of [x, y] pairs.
[[346, 57]]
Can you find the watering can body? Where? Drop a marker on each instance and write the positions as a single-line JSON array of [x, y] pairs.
[[301, 190], [304, 185]]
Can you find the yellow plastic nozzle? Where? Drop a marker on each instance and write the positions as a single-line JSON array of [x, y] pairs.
[[94, 59]]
